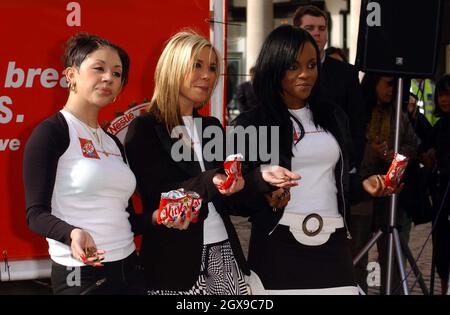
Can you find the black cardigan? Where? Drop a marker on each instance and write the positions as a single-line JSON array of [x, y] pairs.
[[172, 258], [349, 185], [48, 142], [265, 219]]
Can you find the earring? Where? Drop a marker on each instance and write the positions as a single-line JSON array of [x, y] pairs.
[[72, 86], [114, 99]]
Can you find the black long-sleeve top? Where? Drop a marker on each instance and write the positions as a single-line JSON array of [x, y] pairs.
[[46, 145]]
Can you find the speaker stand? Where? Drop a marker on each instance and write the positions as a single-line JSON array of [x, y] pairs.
[[391, 231]]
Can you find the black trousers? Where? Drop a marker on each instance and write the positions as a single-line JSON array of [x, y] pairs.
[[118, 277], [282, 263]]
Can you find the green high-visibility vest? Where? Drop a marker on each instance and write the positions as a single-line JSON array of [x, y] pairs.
[[424, 89]]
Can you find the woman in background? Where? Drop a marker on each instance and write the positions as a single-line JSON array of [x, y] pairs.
[[437, 150]]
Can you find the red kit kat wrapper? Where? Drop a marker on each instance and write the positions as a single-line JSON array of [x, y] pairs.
[[396, 170], [232, 167], [179, 203], [196, 204], [173, 204]]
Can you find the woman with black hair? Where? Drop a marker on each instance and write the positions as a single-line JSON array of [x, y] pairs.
[[437, 148], [78, 185], [299, 242]]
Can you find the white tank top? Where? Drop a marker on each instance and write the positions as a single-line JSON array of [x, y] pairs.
[[213, 227], [315, 158]]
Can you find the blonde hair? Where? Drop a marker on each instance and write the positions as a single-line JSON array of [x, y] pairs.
[[174, 65]]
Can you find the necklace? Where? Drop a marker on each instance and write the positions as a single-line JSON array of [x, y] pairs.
[[98, 139]]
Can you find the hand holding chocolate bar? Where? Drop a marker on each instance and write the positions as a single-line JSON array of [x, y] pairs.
[[375, 186], [382, 186], [236, 185], [396, 171], [233, 181], [177, 208]]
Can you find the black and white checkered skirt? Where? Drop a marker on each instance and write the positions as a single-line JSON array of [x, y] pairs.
[[219, 274]]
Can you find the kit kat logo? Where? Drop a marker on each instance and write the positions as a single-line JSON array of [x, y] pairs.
[[88, 149]]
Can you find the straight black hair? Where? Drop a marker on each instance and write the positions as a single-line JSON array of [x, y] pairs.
[[278, 53]]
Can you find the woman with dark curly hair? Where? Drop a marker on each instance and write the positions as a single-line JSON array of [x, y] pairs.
[[77, 182]]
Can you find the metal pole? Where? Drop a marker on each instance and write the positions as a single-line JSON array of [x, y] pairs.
[[414, 267], [400, 261], [393, 209], [367, 247]]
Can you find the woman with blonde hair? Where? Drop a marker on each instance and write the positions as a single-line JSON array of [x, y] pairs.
[[182, 257]]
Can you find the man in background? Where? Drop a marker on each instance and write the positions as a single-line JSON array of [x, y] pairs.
[[339, 80]]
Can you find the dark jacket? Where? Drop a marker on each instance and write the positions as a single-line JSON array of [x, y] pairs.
[[421, 125], [439, 139], [172, 258], [339, 82]]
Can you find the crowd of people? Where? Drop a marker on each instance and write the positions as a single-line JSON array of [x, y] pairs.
[[312, 208]]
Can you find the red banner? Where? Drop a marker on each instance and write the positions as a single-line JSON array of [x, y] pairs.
[[33, 87]]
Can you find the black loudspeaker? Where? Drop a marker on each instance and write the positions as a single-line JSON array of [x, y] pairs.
[[399, 37]]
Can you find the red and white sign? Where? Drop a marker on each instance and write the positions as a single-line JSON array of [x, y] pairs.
[[32, 85]]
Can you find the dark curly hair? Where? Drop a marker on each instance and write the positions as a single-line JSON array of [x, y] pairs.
[[79, 46]]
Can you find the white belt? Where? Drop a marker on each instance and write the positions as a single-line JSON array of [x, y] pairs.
[[255, 287], [311, 229]]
